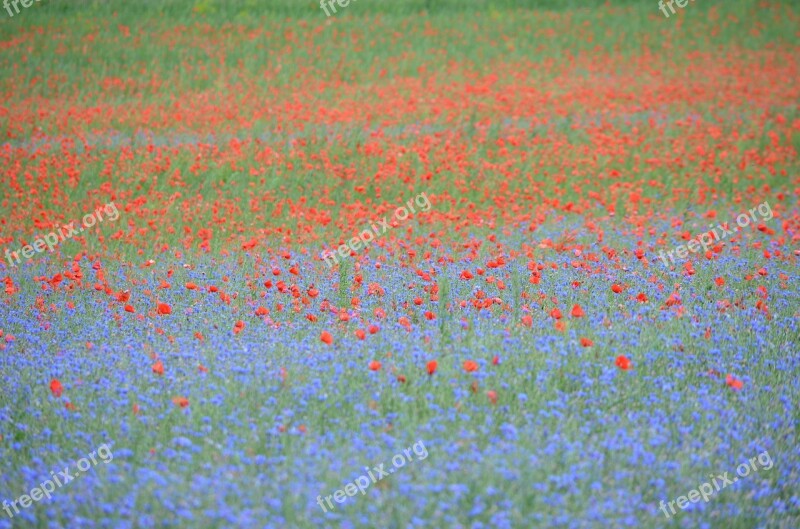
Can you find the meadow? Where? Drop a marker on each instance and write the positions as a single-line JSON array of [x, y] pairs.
[[519, 343]]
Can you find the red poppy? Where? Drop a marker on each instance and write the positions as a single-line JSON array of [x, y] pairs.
[[129, 308], [527, 320], [470, 366], [431, 366], [191, 286], [326, 337], [616, 289], [56, 388], [577, 312], [623, 362], [360, 334], [555, 313], [492, 396], [70, 406], [158, 368], [495, 360], [180, 401], [163, 308], [586, 342], [374, 365], [734, 382]]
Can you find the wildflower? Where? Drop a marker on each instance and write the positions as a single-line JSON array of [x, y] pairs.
[[56, 388], [180, 401], [431, 367], [734, 382], [158, 368], [623, 362]]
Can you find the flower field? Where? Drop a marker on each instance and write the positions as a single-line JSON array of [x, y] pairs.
[[578, 305]]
